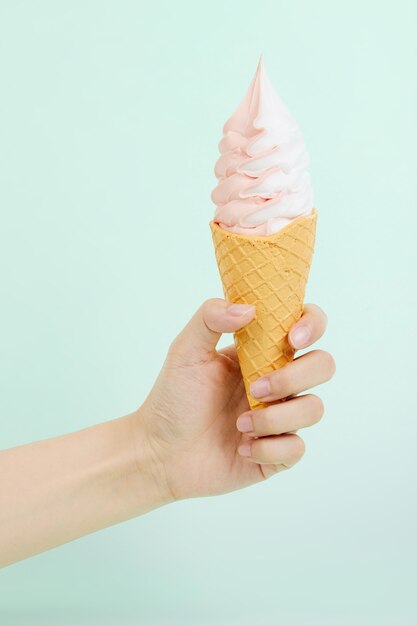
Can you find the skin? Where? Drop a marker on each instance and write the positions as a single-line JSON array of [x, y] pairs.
[[193, 436]]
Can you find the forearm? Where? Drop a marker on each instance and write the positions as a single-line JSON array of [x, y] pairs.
[[57, 490]]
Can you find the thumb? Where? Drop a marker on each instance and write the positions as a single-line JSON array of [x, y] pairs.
[[198, 340]]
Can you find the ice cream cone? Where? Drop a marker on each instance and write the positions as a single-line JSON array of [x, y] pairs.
[[270, 272]]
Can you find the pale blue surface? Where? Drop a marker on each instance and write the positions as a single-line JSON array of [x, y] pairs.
[[109, 122]]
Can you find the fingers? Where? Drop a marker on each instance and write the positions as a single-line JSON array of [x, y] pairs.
[[274, 445], [200, 336], [284, 417], [307, 371], [309, 328], [284, 450]]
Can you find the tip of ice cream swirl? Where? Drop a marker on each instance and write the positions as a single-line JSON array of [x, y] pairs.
[[262, 169]]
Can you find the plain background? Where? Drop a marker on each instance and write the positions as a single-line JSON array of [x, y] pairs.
[[110, 115]]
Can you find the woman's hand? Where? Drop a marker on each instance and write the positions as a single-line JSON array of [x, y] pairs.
[[193, 436], [197, 420]]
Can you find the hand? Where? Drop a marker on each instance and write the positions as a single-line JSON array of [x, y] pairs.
[[193, 436], [197, 420]]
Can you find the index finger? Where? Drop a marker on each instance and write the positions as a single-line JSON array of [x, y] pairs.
[[309, 328]]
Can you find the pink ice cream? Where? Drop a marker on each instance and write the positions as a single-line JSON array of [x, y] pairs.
[[262, 171]]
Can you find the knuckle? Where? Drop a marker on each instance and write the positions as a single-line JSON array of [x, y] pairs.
[[263, 421], [317, 314], [298, 449], [257, 421], [320, 314], [262, 450], [328, 364], [211, 303], [316, 407], [281, 382], [257, 449]]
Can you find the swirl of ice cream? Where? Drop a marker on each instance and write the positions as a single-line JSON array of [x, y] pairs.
[[262, 171]]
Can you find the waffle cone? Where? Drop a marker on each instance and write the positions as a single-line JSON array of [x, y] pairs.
[[270, 272]]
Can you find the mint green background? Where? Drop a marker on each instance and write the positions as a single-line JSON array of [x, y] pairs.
[[110, 116]]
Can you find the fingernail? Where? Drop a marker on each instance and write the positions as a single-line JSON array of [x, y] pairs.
[[244, 423], [237, 310], [300, 336], [245, 449], [260, 388]]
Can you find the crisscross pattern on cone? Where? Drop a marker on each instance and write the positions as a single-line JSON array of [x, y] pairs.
[[270, 272]]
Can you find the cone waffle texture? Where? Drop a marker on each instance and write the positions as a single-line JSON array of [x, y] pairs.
[[270, 272]]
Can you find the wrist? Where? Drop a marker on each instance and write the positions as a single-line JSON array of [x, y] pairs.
[[146, 475]]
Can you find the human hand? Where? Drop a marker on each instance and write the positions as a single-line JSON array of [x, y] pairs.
[[197, 420]]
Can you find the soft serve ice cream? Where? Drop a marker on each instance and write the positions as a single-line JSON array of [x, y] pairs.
[[264, 226], [262, 171]]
